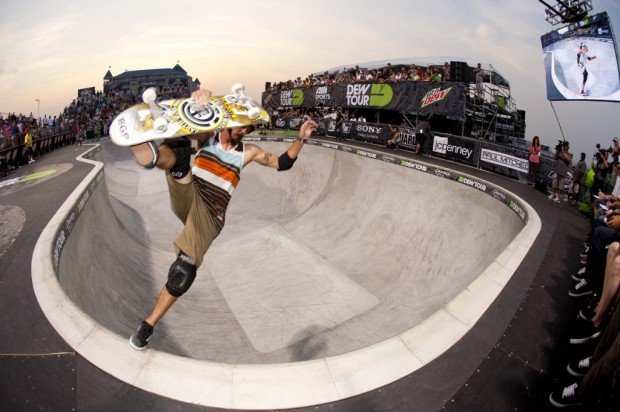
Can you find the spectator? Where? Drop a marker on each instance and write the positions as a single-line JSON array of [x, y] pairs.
[[446, 72], [615, 150], [28, 147], [579, 175], [616, 190], [479, 80], [534, 161], [14, 134], [423, 129], [563, 159], [395, 140], [79, 136], [602, 168], [597, 370]]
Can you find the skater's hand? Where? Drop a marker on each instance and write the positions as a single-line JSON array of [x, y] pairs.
[[201, 96], [307, 129]]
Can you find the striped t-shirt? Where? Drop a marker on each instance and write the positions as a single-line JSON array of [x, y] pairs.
[[216, 173]]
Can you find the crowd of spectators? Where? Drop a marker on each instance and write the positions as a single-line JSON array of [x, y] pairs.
[[88, 116], [388, 74], [597, 285]]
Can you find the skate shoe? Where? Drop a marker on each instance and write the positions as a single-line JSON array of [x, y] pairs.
[[140, 338]]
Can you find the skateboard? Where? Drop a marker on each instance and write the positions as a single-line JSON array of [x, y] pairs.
[[153, 120]]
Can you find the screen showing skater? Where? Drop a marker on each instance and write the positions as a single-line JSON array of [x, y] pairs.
[[581, 62]]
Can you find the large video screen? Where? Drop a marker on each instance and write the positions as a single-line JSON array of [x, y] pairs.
[[581, 62]]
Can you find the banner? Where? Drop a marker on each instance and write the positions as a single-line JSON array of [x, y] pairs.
[[509, 161], [86, 92], [370, 132], [502, 159], [441, 98], [287, 122], [407, 137], [454, 148], [345, 131]]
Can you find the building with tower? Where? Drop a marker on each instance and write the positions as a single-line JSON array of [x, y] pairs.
[[169, 82]]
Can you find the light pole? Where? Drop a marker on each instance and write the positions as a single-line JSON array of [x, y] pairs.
[[38, 114]]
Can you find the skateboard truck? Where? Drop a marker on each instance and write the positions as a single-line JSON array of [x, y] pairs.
[[160, 124], [253, 112]]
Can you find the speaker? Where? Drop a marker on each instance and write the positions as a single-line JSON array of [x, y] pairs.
[[458, 72]]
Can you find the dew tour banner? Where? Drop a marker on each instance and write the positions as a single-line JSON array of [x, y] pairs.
[[441, 98]]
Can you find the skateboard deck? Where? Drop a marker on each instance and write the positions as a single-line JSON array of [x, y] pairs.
[[153, 120]]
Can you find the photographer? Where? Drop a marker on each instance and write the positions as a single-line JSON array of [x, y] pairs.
[[563, 159]]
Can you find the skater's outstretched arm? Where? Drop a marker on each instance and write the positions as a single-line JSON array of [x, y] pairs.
[[285, 160]]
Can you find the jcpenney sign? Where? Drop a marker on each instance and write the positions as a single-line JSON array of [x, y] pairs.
[[502, 159], [452, 148]]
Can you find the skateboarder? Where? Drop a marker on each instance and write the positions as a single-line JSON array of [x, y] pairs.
[[582, 59], [199, 196]]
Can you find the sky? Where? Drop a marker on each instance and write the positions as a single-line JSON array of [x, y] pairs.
[[51, 48]]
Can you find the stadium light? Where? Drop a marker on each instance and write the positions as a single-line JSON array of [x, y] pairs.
[[566, 11]]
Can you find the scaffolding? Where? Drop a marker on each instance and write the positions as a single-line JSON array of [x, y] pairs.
[[491, 113]]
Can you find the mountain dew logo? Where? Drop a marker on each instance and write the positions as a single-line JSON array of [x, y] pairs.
[[375, 95], [434, 95], [293, 97]]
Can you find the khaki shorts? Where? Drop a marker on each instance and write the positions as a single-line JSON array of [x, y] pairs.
[[198, 231], [558, 182]]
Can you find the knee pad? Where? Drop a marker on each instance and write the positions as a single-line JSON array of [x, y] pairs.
[[181, 275], [182, 149]]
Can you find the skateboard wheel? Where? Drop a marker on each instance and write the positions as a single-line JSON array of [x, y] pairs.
[[254, 113], [160, 125], [149, 95], [237, 88]]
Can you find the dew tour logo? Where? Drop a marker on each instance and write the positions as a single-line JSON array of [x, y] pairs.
[[329, 145], [375, 95], [293, 97], [469, 182], [415, 166], [434, 95], [365, 153]]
